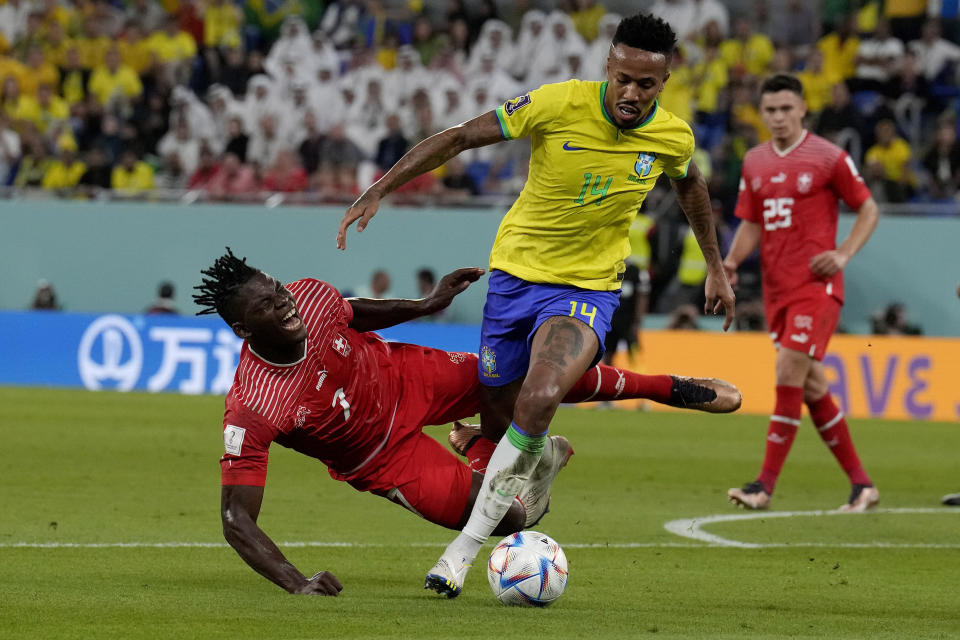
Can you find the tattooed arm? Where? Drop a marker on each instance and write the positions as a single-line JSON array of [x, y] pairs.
[[695, 201], [426, 156]]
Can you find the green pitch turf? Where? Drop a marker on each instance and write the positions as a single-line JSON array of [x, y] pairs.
[[89, 469]]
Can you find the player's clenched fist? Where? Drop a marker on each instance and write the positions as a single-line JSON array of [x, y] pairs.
[[323, 583]]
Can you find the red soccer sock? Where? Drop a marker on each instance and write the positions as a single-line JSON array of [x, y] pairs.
[[601, 383], [832, 427], [780, 434], [478, 453]]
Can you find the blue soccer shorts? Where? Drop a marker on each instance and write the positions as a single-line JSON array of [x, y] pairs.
[[515, 309]]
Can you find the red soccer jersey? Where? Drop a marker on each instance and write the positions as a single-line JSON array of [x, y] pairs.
[[333, 405], [793, 196]]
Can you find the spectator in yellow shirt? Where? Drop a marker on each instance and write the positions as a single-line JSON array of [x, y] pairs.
[[12, 101], [839, 50], [888, 164], [171, 44], [221, 24], [56, 43], [113, 82], [73, 77], [817, 87], [131, 175], [38, 70], [586, 16], [11, 67], [65, 171], [45, 110], [134, 48], [93, 44], [746, 52]]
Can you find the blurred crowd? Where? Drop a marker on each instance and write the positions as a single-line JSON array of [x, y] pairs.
[[231, 99]]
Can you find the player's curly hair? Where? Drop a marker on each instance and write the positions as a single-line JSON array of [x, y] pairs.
[[782, 82], [648, 32], [217, 291]]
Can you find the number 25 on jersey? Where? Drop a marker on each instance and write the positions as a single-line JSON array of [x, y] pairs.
[[776, 213]]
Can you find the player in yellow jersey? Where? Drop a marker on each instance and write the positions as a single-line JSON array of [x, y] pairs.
[[557, 262]]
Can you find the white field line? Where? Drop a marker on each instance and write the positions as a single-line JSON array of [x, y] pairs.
[[690, 528], [321, 544], [693, 528]]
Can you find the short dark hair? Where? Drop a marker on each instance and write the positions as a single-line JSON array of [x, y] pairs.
[[782, 82], [166, 289], [648, 32], [217, 292]]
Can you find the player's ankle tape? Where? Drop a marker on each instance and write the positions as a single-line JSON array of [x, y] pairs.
[[526, 442]]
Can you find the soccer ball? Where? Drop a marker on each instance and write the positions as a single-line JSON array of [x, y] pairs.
[[527, 569]]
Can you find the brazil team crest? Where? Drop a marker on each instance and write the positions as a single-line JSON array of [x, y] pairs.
[[489, 361], [644, 164]]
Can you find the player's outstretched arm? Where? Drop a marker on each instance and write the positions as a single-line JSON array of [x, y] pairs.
[[239, 508], [745, 240], [371, 315], [694, 199], [829, 262], [426, 156]]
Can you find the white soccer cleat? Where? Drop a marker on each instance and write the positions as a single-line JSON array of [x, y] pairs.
[[863, 497], [447, 577], [535, 495], [753, 496]]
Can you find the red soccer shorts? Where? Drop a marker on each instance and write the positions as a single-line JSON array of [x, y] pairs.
[[415, 470], [805, 321]]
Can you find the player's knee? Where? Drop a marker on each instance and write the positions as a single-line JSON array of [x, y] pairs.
[[536, 406]]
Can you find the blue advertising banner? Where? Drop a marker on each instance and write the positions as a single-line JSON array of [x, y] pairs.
[[151, 353]]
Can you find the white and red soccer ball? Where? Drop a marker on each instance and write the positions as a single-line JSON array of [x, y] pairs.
[[527, 569]]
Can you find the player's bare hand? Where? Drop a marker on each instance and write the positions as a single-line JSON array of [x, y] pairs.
[[363, 210], [719, 295], [730, 270], [450, 286], [827, 263], [323, 583]]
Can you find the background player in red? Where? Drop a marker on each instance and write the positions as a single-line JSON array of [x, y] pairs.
[[789, 190], [314, 377]]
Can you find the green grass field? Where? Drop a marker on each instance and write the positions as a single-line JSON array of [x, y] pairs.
[[88, 469]]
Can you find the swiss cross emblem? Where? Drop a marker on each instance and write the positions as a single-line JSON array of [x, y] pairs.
[[804, 182], [341, 346]]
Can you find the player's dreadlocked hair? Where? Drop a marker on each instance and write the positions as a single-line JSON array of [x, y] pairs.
[[227, 275], [782, 82], [648, 32]]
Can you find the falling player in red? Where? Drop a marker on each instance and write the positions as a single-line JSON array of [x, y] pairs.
[[789, 189], [314, 377]]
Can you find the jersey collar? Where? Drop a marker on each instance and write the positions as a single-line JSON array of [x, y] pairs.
[[783, 154], [603, 109]]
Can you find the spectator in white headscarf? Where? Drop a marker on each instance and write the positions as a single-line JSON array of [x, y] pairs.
[[496, 42], [681, 15], [294, 43], [181, 143], [186, 106], [223, 106], [260, 100], [528, 41], [323, 53], [325, 95], [266, 141], [408, 76], [448, 95], [559, 42], [595, 62], [500, 84]]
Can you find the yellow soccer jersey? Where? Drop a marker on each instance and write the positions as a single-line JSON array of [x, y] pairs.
[[587, 180]]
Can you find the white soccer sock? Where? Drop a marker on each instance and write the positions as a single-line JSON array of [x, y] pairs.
[[509, 469]]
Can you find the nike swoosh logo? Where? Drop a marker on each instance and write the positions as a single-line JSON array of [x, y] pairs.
[[567, 147]]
